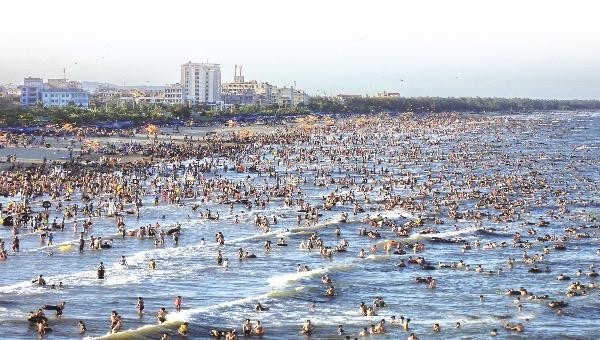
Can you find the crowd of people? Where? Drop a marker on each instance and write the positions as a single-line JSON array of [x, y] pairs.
[[467, 180]]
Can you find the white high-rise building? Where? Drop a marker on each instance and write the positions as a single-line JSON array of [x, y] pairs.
[[200, 83]]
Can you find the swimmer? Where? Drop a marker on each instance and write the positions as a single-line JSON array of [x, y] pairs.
[[161, 315], [183, 330], [405, 323], [81, 326], [514, 327], [40, 281], [260, 308], [57, 308], [307, 328], [258, 329], [380, 327], [364, 332], [247, 327], [362, 309]]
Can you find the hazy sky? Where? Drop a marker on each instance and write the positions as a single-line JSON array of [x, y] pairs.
[[448, 48]]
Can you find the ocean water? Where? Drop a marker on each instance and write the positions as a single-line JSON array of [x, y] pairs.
[[556, 156]]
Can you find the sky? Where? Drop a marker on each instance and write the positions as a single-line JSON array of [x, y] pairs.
[[507, 48]]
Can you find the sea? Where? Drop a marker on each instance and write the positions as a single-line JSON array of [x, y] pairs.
[[560, 150]]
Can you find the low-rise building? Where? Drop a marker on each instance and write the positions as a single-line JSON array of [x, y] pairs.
[[172, 94], [10, 90], [31, 92], [238, 98], [54, 97], [250, 92], [56, 92], [386, 94], [289, 96], [107, 95], [348, 96]]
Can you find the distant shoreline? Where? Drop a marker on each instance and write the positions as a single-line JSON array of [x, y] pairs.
[[13, 115], [256, 118]]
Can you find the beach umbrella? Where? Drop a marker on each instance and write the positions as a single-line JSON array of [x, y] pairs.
[[68, 127], [329, 121], [151, 129]]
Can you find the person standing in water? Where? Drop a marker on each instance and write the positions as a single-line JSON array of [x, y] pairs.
[[178, 303], [140, 306], [101, 271]]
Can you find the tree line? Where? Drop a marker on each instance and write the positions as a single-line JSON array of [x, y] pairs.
[[12, 114]]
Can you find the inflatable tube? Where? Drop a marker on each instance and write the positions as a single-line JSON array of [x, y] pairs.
[[8, 221], [46, 204], [65, 247]]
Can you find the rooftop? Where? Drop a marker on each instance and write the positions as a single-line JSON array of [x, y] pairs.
[[61, 89]]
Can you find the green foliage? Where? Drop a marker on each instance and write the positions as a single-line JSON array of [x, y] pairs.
[[12, 114], [268, 110]]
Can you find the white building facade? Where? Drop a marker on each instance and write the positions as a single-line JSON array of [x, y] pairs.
[[200, 83], [173, 94]]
